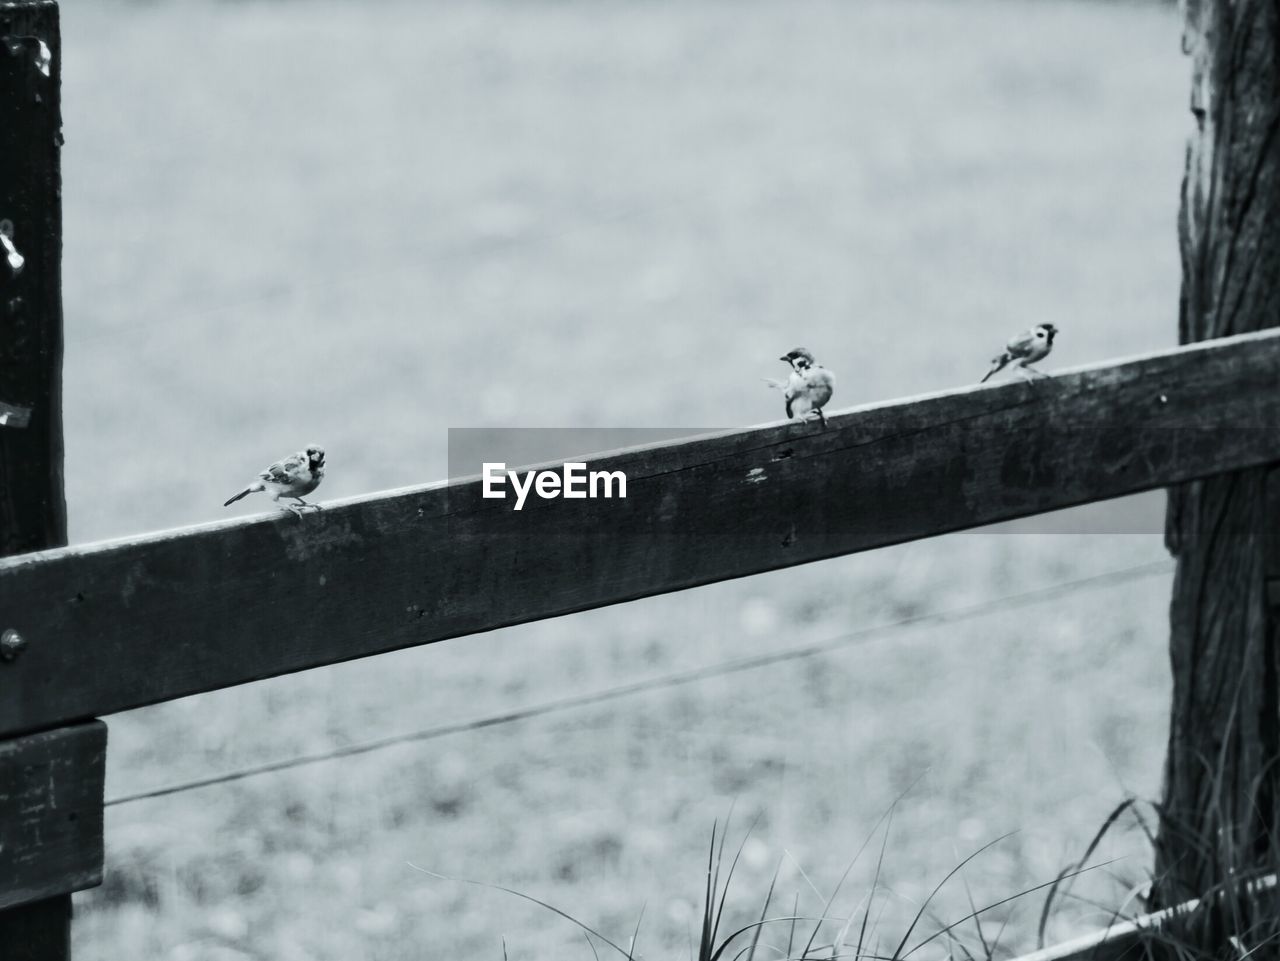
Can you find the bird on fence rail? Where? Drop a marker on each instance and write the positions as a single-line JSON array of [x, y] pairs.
[[297, 474], [1026, 348], [809, 387]]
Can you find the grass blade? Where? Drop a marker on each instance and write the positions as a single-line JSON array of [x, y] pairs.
[[528, 897], [1110, 821], [631, 950], [886, 816], [994, 904], [724, 891], [764, 912], [919, 914]]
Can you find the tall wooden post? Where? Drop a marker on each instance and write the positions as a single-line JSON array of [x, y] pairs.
[[1221, 800], [33, 513], [50, 782]]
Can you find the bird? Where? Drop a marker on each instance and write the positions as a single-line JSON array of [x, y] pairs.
[[1026, 348], [295, 475], [809, 387]]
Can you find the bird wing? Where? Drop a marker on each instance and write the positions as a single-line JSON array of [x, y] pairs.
[[820, 384], [286, 471], [795, 386], [823, 377], [1020, 344]]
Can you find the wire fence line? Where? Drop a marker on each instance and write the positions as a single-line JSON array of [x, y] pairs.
[[1038, 595]]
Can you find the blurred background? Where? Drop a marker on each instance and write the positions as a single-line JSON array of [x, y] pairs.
[[363, 224]]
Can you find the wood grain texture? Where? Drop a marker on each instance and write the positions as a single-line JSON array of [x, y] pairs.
[[33, 512], [51, 813], [1222, 786], [121, 624]]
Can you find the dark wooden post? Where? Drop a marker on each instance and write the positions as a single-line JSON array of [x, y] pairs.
[[50, 783], [33, 514], [1222, 772], [40, 931]]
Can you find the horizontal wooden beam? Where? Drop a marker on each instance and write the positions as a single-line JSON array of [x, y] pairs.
[[51, 813], [1122, 941], [1127, 940], [116, 625]]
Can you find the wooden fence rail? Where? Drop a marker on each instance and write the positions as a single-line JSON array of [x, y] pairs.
[[125, 623]]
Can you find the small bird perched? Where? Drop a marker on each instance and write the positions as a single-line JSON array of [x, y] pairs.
[[1026, 348], [297, 474], [809, 387]]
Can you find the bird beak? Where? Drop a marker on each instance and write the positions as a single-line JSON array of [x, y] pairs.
[[785, 360]]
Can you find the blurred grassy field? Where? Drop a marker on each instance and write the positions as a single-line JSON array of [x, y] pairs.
[[364, 224]]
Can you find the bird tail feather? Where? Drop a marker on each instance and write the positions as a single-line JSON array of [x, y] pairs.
[[252, 488], [997, 365]]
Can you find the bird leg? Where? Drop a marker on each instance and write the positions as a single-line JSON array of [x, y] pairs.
[[296, 509], [1030, 373], [821, 416]]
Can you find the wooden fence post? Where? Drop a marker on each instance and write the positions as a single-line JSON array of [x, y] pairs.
[[50, 783], [33, 513], [39, 931], [1222, 780]]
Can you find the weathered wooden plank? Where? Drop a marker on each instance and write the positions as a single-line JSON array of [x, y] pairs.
[[116, 625], [51, 813], [1127, 940], [1121, 942]]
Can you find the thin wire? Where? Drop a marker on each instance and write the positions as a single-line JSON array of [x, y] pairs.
[[1029, 598]]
